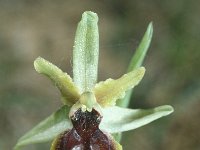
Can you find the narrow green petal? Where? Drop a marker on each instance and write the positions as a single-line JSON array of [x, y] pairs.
[[107, 92], [137, 61], [86, 52], [70, 93], [47, 129], [117, 119]]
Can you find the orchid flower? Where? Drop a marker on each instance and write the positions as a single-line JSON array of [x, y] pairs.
[[93, 113]]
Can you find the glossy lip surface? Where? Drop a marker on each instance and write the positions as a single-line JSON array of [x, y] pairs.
[[85, 134]]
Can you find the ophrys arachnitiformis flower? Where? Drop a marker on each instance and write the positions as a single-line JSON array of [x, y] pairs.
[[90, 118]]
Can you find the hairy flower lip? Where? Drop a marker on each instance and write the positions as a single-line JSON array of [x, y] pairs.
[[85, 133]]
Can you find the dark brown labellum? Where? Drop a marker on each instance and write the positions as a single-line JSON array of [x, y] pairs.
[[85, 134]]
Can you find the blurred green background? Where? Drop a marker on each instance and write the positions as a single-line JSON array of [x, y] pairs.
[[32, 28]]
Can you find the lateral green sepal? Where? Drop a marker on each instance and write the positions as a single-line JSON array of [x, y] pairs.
[[117, 119], [47, 129]]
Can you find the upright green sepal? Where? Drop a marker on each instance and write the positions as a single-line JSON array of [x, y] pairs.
[[70, 93], [86, 52]]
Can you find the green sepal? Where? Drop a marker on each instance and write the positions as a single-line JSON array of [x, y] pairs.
[[117, 119], [86, 52], [47, 129]]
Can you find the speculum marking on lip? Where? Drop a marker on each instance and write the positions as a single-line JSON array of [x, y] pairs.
[[85, 134]]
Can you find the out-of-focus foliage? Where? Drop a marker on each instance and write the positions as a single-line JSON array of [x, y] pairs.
[[46, 28]]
